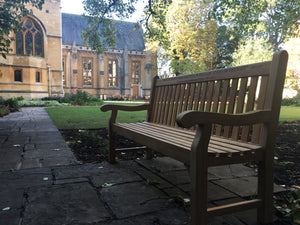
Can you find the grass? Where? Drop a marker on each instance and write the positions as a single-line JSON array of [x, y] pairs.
[[289, 113], [93, 118], [89, 117]]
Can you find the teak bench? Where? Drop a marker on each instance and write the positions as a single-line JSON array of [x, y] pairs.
[[232, 115]]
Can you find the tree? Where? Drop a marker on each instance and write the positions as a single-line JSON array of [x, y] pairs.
[[11, 13], [252, 50], [99, 14], [274, 20], [227, 42], [293, 71], [192, 37]]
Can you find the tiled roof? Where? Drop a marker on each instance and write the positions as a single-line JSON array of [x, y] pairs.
[[128, 33]]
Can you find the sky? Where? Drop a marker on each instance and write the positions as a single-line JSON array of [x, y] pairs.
[[76, 7]]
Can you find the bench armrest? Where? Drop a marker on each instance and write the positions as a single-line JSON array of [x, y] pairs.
[[108, 107], [190, 118], [115, 108]]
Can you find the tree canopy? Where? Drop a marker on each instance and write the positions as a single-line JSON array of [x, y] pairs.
[[11, 13], [274, 20], [198, 34]]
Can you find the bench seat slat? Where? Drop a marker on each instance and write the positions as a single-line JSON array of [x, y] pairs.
[[179, 138]]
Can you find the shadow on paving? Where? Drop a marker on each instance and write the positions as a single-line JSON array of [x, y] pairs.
[[41, 182]]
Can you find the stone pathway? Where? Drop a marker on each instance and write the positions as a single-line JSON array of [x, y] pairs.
[[41, 182]]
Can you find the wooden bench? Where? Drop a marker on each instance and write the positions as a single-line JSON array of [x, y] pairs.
[[232, 115]]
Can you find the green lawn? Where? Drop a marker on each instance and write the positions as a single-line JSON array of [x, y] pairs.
[[289, 113], [89, 117], [93, 118]]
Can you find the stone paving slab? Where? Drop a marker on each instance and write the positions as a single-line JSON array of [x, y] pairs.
[[133, 199], [22, 179], [229, 171], [172, 216], [42, 183], [243, 186], [11, 159], [10, 217], [162, 164], [64, 204]]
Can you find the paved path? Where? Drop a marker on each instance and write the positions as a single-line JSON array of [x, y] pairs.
[[41, 183]]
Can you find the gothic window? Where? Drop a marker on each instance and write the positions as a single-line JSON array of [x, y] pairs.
[[38, 45], [64, 71], [18, 75], [29, 41], [136, 72], [87, 72], [112, 73], [19, 43], [37, 77]]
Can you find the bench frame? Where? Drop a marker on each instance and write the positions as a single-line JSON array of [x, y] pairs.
[[262, 119]]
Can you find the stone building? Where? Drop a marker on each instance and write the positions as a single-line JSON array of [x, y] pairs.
[[49, 57]]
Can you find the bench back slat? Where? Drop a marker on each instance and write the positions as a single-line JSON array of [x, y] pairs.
[[233, 90]]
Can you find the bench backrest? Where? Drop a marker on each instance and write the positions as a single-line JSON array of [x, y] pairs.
[[232, 90]]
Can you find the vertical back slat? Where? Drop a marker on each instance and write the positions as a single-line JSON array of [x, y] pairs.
[[153, 100], [176, 104], [240, 106], [157, 104], [209, 96], [164, 103], [171, 107], [231, 104], [250, 106], [167, 105], [182, 90], [198, 96], [216, 98], [260, 105], [223, 104], [161, 104], [203, 96], [192, 96], [186, 97]]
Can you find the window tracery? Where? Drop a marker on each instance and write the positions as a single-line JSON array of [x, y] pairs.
[[29, 41]]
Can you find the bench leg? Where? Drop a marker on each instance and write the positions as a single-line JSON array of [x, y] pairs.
[[198, 173], [265, 191], [112, 147]]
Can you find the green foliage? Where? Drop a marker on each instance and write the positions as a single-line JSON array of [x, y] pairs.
[[11, 104], [290, 206], [252, 50], [76, 97], [3, 111], [11, 13], [155, 22], [101, 31], [291, 101], [42, 103], [272, 20], [192, 37], [227, 42]]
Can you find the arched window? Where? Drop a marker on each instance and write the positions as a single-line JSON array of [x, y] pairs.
[[29, 41]]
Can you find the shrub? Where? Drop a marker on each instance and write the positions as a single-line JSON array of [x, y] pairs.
[[11, 104], [291, 101], [4, 111], [42, 103], [78, 97]]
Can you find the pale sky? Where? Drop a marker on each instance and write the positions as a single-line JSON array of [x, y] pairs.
[[76, 7]]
